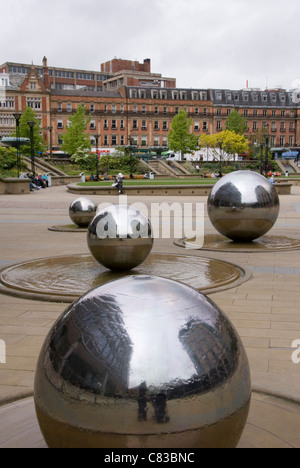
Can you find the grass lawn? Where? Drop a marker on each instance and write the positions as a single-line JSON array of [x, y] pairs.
[[153, 182]]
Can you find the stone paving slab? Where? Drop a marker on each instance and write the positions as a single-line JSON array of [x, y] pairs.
[[265, 310]]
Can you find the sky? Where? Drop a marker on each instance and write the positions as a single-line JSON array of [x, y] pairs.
[[201, 43]]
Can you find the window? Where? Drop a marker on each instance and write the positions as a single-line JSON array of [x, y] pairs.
[[165, 110], [273, 113], [92, 125], [144, 141], [282, 126], [114, 125], [105, 140], [144, 110], [113, 109], [63, 74], [205, 126], [33, 86], [105, 125], [92, 108], [219, 96], [176, 110], [142, 94], [254, 126], [196, 126], [203, 95], [255, 113], [291, 140], [195, 96], [154, 94], [197, 111], [283, 113], [219, 125], [165, 125], [7, 102], [246, 113], [163, 94], [122, 127], [134, 125], [34, 103], [105, 109], [273, 127], [59, 107], [228, 97], [69, 107], [114, 140], [156, 125], [60, 123], [183, 95], [175, 95], [156, 110], [133, 93], [156, 141], [282, 140], [204, 111], [219, 111], [144, 125], [134, 109], [122, 108], [264, 97], [122, 141]]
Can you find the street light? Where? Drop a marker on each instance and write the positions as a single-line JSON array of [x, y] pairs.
[[17, 116], [31, 125], [97, 156], [50, 130]]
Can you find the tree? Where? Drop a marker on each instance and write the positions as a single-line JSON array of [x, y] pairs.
[[225, 145], [179, 137], [39, 144], [75, 137], [236, 123]]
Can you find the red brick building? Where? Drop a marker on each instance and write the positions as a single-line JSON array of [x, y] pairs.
[[126, 100]]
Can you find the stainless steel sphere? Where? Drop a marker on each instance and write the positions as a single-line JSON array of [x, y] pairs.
[[142, 362], [243, 206], [82, 211], [120, 237]]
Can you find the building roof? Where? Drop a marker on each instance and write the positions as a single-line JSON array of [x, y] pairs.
[[250, 98], [85, 93]]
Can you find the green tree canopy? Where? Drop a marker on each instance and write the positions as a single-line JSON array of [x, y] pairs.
[[39, 144], [75, 137], [227, 141], [236, 123], [179, 137]]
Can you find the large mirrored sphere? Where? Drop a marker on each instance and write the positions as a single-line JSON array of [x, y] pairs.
[[243, 206], [120, 237], [142, 362], [82, 211]]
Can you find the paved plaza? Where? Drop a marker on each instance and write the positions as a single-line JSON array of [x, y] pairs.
[[265, 311]]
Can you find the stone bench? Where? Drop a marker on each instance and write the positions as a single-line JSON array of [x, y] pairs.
[[14, 186]]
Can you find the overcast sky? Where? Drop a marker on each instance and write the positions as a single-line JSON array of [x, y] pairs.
[[202, 43]]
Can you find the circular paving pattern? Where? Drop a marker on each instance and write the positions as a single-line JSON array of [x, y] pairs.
[[64, 279], [219, 243]]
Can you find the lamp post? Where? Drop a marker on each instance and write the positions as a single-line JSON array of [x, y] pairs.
[[267, 149], [17, 116], [50, 131], [31, 125], [97, 156], [131, 141]]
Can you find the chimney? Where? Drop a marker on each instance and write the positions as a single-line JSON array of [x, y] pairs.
[[46, 73]]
